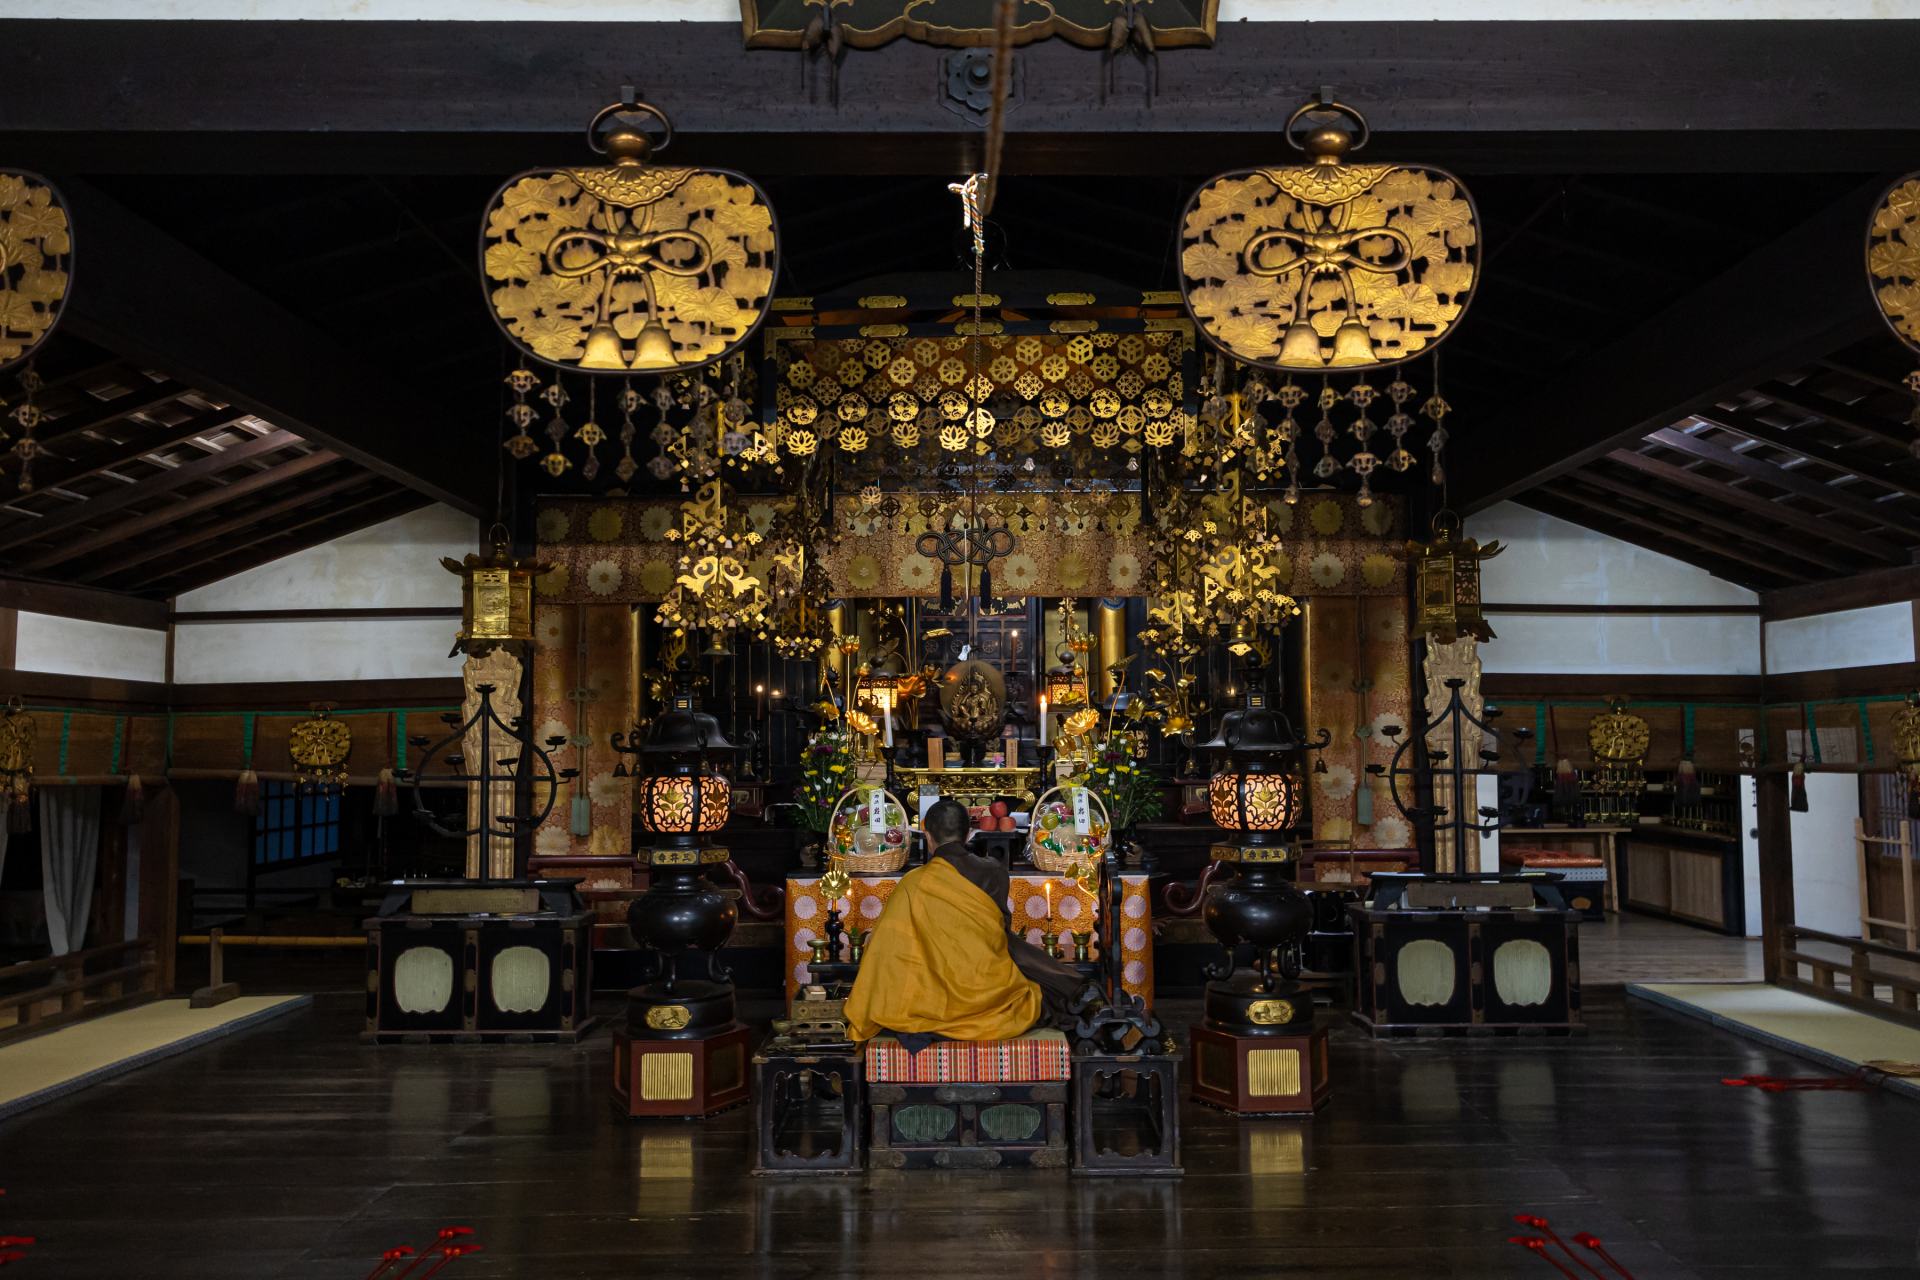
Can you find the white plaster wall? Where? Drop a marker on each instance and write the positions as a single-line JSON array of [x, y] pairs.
[[76, 647], [729, 10], [1826, 874], [1850, 638], [395, 563], [348, 649], [1553, 561]]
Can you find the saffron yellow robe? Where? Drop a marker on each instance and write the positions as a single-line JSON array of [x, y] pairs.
[[938, 961]]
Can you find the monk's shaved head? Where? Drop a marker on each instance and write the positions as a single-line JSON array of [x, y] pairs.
[[946, 822]]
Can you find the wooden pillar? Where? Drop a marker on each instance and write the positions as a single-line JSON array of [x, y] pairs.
[[159, 877], [1776, 868]]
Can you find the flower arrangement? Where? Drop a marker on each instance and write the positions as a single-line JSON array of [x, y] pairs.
[[1125, 785], [826, 767]]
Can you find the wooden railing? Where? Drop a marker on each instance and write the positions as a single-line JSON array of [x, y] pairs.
[[43, 994], [1865, 981]]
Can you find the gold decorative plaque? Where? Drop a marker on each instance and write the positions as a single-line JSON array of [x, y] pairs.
[[1329, 265], [319, 748], [36, 262], [668, 1017], [632, 267], [1893, 258], [1270, 1013]]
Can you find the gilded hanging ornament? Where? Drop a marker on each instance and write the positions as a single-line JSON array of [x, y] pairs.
[[319, 748], [1447, 578], [1618, 740], [496, 597], [1893, 272], [36, 262], [629, 267], [17, 735], [1906, 749], [1329, 265]]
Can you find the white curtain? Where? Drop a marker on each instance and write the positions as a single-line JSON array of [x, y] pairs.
[[69, 853]]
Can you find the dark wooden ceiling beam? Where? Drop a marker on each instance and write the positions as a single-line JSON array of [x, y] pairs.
[[1868, 470], [1546, 96], [95, 414], [114, 534], [1888, 513], [1853, 419], [1791, 301], [142, 443], [36, 528], [1723, 559], [1802, 550], [1765, 510], [326, 525], [254, 519], [231, 341]]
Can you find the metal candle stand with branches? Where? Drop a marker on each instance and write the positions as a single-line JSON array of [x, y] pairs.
[[525, 766], [1454, 721]]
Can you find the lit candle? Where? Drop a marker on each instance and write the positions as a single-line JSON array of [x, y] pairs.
[[1046, 889], [1043, 719], [889, 723]]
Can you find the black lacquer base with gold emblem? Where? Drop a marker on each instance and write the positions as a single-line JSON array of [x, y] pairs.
[[1259, 1051], [681, 1050]]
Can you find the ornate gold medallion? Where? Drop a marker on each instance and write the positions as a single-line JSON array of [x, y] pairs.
[[630, 267], [1329, 265], [668, 1017], [1893, 258], [319, 748], [1270, 1013], [36, 262]]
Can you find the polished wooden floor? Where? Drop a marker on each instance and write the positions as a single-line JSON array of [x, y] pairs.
[[293, 1151]]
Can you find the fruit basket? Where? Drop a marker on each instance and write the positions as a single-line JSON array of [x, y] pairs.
[[1060, 843], [865, 840]]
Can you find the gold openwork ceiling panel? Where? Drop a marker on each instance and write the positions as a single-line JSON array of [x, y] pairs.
[[36, 262], [1329, 265], [629, 267], [1022, 394]]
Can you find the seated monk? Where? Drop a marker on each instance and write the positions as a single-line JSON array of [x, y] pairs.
[[944, 961]]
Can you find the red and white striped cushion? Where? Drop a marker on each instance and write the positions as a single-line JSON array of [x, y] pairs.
[[1028, 1059]]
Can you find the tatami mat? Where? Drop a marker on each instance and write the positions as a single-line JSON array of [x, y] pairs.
[[53, 1065], [1842, 1038]]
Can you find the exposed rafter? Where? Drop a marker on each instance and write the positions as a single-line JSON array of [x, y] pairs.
[[1794, 300], [1887, 513], [152, 298]]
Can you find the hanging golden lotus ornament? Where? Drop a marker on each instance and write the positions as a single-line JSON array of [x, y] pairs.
[[319, 748], [1906, 749], [1618, 740], [18, 732], [36, 262], [1329, 265], [1447, 580], [496, 597], [1893, 259], [629, 267], [716, 590]]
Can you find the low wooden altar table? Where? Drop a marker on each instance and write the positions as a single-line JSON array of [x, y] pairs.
[[1073, 907]]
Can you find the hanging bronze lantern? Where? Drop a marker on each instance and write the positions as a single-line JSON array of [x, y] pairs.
[[631, 267], [496, 597], [36, 262], [1329, 265], [1447, 577]]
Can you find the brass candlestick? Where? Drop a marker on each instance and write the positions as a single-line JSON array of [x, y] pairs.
[[1082, 946], [1052, 943]]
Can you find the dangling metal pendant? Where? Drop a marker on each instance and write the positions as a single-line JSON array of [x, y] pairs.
[[1329, 265], [631, 267]]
